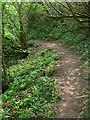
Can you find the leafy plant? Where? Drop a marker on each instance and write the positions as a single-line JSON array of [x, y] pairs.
[[31, 92]]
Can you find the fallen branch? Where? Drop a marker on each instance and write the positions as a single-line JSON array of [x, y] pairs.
[[82, 96]]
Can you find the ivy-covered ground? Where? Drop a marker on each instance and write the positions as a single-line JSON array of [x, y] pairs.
[[31, 91], [32, 80]]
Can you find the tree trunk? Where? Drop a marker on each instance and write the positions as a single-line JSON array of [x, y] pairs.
[[23, 38], [3, 61], [4, 67]]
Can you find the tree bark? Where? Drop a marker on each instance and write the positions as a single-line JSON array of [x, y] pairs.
[[3, 61], [23, 38]]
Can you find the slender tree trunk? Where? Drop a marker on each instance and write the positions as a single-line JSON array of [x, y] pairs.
[[89, 49], [4, 67], [3, 61], [23, 38]]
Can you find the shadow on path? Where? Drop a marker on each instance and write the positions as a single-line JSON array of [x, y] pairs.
[[69, 72]]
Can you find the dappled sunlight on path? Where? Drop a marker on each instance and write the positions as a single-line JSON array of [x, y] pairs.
[[69, 71]]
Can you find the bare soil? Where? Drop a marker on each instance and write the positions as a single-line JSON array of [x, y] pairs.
[[70, 74]]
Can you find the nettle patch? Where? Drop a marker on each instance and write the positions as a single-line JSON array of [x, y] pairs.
[[31, 92]]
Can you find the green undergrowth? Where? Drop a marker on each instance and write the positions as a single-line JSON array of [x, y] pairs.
[[86, 110], [65, 31], [31, 92]]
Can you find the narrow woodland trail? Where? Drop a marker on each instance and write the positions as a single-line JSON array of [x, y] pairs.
[[69, 71]]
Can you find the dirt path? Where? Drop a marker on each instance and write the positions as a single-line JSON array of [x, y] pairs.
[[69, 72]]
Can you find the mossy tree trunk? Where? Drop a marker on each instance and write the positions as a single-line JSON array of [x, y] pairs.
[[3, 60], [23, 38]]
